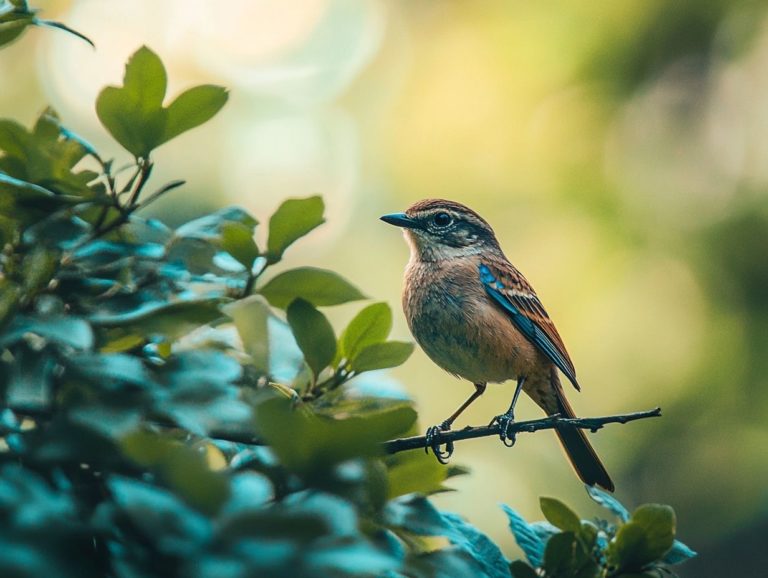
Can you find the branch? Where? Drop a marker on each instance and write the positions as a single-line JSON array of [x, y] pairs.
[[591, 423]]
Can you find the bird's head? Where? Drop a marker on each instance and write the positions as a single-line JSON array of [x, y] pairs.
[[437, 229]]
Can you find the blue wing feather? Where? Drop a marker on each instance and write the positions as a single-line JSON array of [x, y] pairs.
[[526, 325]]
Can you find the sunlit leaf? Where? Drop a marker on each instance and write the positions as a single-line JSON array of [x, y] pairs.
[[559, 515], [192, 108], [371, 325], [292, 220], [317, 286], [382, 356]]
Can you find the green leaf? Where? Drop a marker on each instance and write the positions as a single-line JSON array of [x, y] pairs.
[[320, 287], [558, 555], [292, 220], [180, 466], [382, 356], [369, 326], [251, 316], [313, 333], [237, 240], [559, 515], [133, 113], [305, 442], [10, 31], [409, 472], [647, 536], [192, 108], [520, 569]]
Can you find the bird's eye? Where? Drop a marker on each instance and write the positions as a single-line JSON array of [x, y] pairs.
[[442, 219]]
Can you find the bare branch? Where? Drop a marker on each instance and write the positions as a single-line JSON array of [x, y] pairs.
[[550, 422]]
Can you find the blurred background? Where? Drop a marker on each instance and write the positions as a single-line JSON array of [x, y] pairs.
[[619, 149]]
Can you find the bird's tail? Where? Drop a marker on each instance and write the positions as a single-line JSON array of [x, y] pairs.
[[579, 451]]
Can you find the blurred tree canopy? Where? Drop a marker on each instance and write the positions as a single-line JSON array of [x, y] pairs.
[[173, 408]]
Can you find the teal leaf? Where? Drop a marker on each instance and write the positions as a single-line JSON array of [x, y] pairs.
[[678, 554], [477, 545], [313, 333], [319, 287], [559, 515], [192, 108], [382, 356], [525, 536], [607, 501], [292, 220], [369, 326]]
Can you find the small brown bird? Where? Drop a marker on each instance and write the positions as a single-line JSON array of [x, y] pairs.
[[477, 317]]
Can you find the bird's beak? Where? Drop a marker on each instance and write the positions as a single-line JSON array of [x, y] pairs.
[[400, 220]]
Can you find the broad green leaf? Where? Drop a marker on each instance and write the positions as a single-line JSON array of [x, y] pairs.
[[237, 240], [382, 356], [10, 31], [313, 333], [409, 472], [305, 442], [183, 468], [647, 536], [133, 113], [39, 267], [192, 108], [559, 515], [292, 220], [371, 325], [320, 287]]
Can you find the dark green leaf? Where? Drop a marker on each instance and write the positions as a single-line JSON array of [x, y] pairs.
[[313, 333], [520, 569], [65, 28], [292, 220], [10, 31], [559, 555], [318, 286], [528, 540], [29, 385], [192, 108], [409, 472], [382, 356], [559, 514], [371, 325]]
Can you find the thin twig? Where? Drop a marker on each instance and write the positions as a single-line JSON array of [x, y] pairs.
[[551, 422]]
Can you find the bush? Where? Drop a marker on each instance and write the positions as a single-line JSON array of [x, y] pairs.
[[171, 408]]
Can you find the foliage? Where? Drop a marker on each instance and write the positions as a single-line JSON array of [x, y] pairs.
[[168, 412], [641, 544]]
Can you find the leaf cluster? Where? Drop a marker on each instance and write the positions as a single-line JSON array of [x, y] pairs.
[[638, 545]]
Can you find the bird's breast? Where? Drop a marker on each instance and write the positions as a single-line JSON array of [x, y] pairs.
[[459, 327]]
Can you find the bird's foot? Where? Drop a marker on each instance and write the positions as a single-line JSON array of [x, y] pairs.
[[432, 435], [505, 422]]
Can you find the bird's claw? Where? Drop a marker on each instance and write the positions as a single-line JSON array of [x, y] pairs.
[[505, 421], [432, 435]]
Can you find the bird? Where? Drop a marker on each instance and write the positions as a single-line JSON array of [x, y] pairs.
[[476, 316]]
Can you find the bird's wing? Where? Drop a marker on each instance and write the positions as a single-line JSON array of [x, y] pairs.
[[514, 294]]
